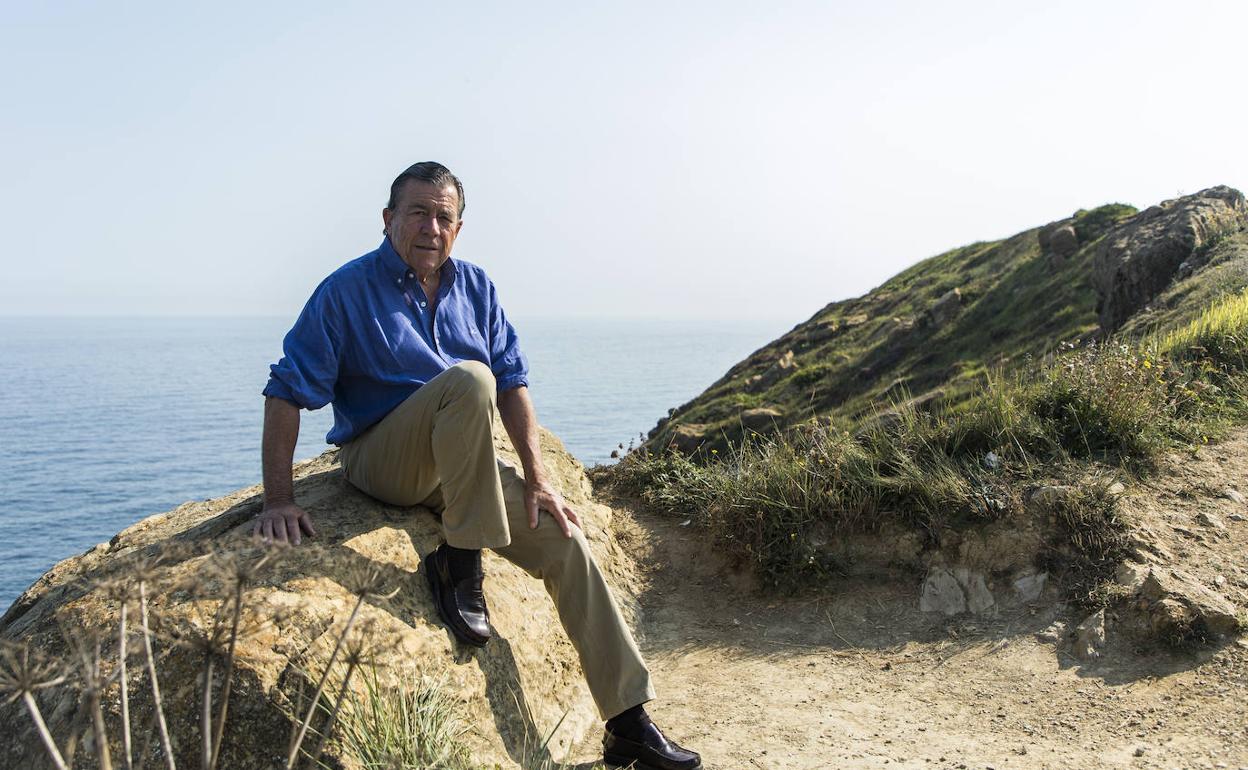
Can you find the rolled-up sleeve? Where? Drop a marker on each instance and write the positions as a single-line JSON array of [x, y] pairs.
[[308, 369], [507, 361]]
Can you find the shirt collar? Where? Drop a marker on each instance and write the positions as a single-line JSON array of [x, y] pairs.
[[396, 268]]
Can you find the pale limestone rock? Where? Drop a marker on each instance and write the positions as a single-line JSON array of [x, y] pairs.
[[941, 593], [1030, 585], [1163, 589], [979, 599], [1090, 637]]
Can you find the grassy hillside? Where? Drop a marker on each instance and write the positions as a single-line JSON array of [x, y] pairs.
[[932, 333], [1020, 391]]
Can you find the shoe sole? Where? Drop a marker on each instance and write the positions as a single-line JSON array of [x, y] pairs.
[[615, 760], [435, 587]]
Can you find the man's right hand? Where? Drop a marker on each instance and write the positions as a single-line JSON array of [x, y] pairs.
[[283, 524]]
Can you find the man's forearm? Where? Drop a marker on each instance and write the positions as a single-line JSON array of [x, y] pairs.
[[520, 421], [277, 449]]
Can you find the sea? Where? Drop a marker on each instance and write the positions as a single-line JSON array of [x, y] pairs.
[[109, 420]]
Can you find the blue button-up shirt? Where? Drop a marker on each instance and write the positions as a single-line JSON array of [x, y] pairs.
[[367, 339]]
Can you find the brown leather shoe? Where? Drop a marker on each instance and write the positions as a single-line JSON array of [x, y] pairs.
[[650, 749], [459, 599]]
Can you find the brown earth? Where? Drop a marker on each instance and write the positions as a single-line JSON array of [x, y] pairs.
[[856, 677]]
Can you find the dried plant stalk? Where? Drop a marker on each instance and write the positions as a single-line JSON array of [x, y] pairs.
[[229, 676], [320, 686], [122, 649], [42, 726], [165, 745]]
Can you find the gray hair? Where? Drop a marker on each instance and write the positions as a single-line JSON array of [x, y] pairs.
[[426, 171]]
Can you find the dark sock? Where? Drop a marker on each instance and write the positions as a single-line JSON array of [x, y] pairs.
[[462, 561], [628, 723]]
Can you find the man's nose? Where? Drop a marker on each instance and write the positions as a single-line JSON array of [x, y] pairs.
[[429, 225]]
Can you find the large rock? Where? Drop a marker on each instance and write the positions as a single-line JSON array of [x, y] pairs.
[[763, 419], [1136, 260], [688, 438], [945, 307], [514, 690], [1059, 240], [1178, 606]]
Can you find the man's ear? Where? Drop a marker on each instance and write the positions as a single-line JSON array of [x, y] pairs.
[[386, 215]]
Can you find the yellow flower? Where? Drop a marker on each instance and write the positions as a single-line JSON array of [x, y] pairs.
[[1148, 364]]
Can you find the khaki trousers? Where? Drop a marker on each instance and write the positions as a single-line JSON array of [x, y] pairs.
[[437, 449]]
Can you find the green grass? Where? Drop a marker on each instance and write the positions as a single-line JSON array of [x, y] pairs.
[[1216, 335], [417, 726], [775, 501]]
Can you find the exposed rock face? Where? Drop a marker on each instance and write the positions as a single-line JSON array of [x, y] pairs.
[[688, 438], [303, 600], [1139, 258], [762, 420], [945, 308], [1059, 240]]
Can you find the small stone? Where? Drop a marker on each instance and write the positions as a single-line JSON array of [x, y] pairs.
[[1116, 488], [1139, 751], [1090, 637], [992, 461], [1046, 497], [941, 593], [1053, 634], [1029, 585], [1234, 494], [1206, 519]]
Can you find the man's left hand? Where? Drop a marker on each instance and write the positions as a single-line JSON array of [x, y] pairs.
[[542, 496]]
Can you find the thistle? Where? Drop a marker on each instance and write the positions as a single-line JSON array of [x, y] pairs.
[[365, 581], [24, 672]]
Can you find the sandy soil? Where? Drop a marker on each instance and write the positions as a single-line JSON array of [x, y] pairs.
[[856, 677]]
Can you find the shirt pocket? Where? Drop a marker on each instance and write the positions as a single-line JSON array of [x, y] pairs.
[[464, 341]]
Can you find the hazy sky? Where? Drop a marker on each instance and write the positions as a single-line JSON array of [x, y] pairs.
[[717, 160]]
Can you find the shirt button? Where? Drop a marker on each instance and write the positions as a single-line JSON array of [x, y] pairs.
[[422, 304]]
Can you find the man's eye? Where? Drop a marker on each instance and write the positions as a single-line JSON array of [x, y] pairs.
[[444, 220]]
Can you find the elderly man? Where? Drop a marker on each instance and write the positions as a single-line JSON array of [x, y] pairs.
[[414, 351]]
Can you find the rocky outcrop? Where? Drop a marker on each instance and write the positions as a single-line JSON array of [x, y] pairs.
[[945, 307], [1177, 606], [688, 438], [764, 419], [1059, 240], [517, 687], [1140, 257]]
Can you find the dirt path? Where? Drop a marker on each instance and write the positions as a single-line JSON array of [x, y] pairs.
[[858, 678]]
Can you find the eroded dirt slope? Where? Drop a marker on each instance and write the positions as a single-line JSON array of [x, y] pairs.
[[857, 677]]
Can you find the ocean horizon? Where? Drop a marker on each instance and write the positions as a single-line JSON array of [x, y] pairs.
[[112, 419]]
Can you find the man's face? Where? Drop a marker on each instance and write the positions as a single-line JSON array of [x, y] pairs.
[[423, 224]]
